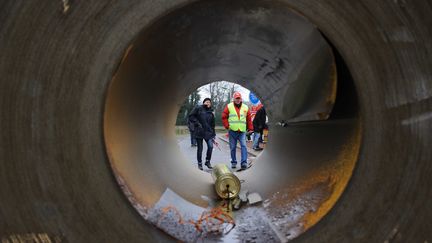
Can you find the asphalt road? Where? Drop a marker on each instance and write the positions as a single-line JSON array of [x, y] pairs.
[[220, 155]]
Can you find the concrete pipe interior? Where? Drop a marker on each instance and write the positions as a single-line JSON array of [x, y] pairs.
[[57, 62], [283, 58]]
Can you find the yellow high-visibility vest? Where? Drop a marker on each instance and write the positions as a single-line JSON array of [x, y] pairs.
[[236, 123]]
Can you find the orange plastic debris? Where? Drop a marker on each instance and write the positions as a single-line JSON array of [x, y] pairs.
[[212, 221]]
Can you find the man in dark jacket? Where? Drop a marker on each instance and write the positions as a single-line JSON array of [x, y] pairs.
[[203, 121], [259, 124]]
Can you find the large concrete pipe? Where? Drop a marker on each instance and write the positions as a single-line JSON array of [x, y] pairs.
[[58, 61]]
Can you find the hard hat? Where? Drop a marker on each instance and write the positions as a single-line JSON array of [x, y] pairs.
[[236, 95]]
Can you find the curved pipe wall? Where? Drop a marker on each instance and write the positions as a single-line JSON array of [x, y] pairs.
[[59, 57], [264, 47]]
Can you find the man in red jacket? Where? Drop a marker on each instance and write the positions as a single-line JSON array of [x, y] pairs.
[[236, 117]]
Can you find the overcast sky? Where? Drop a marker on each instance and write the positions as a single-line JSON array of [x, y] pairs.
[[243, 91]]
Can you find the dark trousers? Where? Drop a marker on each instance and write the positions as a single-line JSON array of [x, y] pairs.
[[200, 149], [193, 139]]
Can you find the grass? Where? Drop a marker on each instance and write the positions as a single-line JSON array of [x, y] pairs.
[[181, 130]]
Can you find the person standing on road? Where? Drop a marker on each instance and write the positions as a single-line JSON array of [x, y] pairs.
[[192, 135], [259, 124], [203, 122], [236, 118]]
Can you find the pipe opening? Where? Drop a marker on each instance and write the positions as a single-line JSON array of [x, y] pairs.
[[269, 49], [194, 120]]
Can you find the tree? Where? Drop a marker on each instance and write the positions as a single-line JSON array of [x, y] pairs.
[[189, 103], [220, 93]]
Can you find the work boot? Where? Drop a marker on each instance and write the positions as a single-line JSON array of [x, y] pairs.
[[244, 166], [207, 163], [200, 166]]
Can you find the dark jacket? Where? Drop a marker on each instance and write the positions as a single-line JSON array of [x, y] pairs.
[[259, 122], [203, 122]]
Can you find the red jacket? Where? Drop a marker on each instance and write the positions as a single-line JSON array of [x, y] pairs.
[[225, 115]]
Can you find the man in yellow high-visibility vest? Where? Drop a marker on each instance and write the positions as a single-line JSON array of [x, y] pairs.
[[236, 118]]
